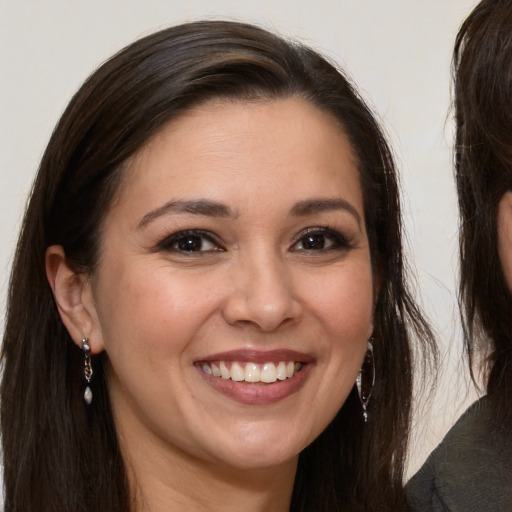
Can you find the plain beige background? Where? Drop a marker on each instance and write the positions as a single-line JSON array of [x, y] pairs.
[[397, 51]]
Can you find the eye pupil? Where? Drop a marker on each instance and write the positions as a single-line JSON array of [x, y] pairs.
[[190, 243], [314, 242]]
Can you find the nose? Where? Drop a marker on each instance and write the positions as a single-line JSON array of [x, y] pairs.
[[262, 295]]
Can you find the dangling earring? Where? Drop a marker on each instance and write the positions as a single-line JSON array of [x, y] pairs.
[[86, 349], [366, 379]]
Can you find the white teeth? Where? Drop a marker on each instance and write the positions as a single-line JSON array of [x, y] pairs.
[[237, 372], [268, 373], [281, 371], [216, 371], [224, 372], [253, 372]]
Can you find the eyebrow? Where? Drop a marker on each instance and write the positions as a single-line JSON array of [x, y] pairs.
[[195, 206], [312, 206], [210, 208]]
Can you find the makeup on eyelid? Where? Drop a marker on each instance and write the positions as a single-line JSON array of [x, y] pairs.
[[198, 240]]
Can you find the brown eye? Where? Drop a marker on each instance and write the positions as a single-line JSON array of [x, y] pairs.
[[190, 242], [315, 242], [320, 239]]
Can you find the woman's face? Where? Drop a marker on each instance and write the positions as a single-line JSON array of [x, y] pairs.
[[233, 296], [505, 236]]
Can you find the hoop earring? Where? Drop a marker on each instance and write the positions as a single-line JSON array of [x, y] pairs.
[[366, 379], [86, 349]]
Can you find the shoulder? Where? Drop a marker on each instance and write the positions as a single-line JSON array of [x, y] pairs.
[[471, 470]]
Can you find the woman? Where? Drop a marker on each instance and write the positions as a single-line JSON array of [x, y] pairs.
[[471, 470], [210, 259]]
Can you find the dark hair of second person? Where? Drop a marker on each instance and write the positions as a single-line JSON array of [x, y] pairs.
[[471, 469], [483, 170]]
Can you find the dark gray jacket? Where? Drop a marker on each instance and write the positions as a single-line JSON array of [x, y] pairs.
[[470, 471]]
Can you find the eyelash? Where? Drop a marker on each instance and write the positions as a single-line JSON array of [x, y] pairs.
[[199, 235], [335, 241]]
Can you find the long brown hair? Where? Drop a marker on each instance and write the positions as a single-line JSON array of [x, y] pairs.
[[60, 457], [483, 164]]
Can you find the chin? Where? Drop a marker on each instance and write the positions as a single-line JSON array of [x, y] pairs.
[[263, 452], [244, 461]]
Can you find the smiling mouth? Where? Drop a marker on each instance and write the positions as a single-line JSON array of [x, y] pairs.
[[266, 373]]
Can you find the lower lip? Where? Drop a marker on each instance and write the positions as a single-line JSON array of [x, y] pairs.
[[256, 393]]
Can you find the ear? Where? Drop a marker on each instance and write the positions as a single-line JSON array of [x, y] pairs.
[[74, 298], [505, 236]]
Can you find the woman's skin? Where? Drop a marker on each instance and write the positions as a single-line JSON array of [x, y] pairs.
[[505, 235], [237, 237]]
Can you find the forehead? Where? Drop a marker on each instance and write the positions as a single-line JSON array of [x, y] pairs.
[[257, 142]]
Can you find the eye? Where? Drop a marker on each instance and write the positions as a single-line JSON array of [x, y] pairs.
[[320, 239], [190, 241]]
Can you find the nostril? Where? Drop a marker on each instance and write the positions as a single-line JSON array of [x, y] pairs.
[[265, 315], [263, 293]]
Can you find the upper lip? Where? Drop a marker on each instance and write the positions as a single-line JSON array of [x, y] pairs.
[[259, 356]]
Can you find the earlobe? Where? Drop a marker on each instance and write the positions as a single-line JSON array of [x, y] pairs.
[[505, 236], [73, 296]]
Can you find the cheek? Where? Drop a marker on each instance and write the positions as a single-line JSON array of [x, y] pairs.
[[505, 237], [345, 303], [352, 327], [150, 309], [344, 306]]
